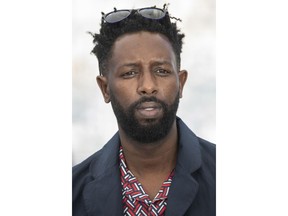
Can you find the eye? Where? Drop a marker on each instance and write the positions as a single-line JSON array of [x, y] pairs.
[[129, 74], [162, 72]]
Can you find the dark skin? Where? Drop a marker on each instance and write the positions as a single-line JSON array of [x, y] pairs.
[[144, 64]]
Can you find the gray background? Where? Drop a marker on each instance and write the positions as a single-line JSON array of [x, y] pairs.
[[93, 121]]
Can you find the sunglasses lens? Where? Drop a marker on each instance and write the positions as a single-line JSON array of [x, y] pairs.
[[152, 13], [117, 16]]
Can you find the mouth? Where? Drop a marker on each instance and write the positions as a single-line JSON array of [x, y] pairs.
[[149, 110]]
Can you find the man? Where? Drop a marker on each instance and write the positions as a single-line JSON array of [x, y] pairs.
[[154, 164]]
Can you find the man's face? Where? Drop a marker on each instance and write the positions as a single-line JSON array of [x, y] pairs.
[[143, 85]]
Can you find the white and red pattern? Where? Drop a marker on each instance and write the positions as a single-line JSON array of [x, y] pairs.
[[135, 201]]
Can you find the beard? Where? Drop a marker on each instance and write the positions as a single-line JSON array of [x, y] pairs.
[[154, 129]]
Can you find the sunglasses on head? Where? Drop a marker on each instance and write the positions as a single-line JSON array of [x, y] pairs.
[[149, 13]]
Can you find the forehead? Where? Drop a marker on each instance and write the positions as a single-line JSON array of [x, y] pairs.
[[142, 46]]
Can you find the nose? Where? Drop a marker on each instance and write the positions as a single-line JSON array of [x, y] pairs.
[[147, 84]]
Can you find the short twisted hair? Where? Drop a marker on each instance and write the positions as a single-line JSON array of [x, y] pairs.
[[109, 32]]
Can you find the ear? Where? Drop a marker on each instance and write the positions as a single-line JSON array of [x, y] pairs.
[[103, 85], [182, 80]]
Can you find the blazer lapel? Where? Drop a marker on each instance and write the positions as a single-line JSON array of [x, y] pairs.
[[184, 187], [182, 193], [103, 195]]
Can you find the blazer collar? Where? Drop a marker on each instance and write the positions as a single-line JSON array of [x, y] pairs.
[[189, 154]]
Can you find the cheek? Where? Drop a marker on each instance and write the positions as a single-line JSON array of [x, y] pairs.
[[170, 91], [125, 93]]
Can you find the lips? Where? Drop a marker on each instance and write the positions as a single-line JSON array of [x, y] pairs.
[[149, 109]]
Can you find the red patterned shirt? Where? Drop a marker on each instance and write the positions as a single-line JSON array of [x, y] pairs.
[[135, 200]]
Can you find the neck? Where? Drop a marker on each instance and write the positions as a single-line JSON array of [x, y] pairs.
[[151, 158]]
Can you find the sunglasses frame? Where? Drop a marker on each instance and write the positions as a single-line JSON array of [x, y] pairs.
[[164, 11]]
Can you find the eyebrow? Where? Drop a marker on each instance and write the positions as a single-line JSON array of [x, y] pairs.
[[130, 65], [154, 63], [161, 62]]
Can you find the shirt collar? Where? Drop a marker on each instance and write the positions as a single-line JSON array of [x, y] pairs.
[[133, 189]]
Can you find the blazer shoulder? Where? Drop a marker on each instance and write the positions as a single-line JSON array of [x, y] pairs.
[[208, 155], [207, 146]]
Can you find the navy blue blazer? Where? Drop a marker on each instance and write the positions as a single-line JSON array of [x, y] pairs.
[[97, 189]]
